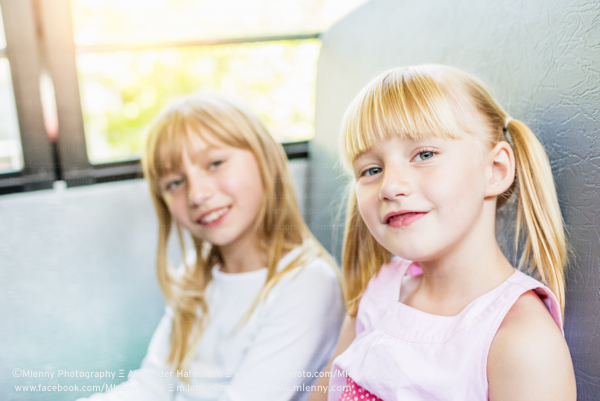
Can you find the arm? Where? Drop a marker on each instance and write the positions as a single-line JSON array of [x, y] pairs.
[[347, 335], [299, 324], [529, 358], [147, 377]]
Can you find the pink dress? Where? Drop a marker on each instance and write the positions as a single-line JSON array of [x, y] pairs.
[[401, 353]]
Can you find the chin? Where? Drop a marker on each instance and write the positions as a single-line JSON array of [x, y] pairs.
[[413, 253], [220, 241]]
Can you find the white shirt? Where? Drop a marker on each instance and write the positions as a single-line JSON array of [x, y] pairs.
[[277, 355]]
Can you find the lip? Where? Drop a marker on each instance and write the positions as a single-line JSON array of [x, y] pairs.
[[214, 222], [403, 218]]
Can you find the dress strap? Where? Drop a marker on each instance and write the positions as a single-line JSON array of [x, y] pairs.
[[517, 285], [526, 283], [382, 289]]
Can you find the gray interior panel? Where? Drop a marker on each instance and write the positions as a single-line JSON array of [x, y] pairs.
[[542, 61]]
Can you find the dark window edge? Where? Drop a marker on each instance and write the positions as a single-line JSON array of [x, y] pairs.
[[16, 182]]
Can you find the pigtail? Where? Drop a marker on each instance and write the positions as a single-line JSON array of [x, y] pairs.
[[362, 255], [545, 249]]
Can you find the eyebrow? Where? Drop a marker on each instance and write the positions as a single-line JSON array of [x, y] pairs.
[[361, 156]]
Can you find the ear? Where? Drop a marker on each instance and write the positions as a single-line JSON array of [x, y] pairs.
[[500, 170]]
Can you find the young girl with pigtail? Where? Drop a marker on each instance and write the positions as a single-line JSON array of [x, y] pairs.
[[254, 314], [433, 157]]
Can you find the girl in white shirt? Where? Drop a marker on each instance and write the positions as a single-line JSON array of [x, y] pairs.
[[256, 316]]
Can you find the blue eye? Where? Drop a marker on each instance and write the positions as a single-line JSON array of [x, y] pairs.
[[373, 171], [422, 156], [173, 184], [215, 164]]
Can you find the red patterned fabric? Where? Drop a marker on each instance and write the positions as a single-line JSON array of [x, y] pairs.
[[354, 392]]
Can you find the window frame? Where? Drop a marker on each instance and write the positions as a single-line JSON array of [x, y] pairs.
[[22, 52], [45, 36]]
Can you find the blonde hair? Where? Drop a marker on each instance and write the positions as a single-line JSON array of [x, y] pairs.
[[430, 101], [214, 117]]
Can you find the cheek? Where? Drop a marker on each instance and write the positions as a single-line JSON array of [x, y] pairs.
[[457, 189], [444, 188], [245, 183], [367, 204], [178, 211]]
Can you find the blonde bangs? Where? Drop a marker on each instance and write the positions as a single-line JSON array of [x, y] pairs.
[[404, 102], [171, 133], [168, 144]]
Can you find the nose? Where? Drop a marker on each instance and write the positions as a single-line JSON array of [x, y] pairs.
[[395, 184], [200, 188]]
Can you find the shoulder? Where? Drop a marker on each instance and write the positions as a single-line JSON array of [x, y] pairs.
[[309, 294], [317, 274], [313, 283], [529, 358], [319, 268]]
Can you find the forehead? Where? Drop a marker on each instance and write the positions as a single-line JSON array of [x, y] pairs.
[[391, 107], [201, 142], [192, 143], [410, 118]]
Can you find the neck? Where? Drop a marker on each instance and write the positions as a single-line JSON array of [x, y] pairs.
[[242, 256], [466, 271]]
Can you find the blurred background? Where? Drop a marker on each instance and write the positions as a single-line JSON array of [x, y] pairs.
[[80, 79], [107, 67]]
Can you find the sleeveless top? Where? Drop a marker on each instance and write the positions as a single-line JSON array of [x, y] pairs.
[[401, 353]]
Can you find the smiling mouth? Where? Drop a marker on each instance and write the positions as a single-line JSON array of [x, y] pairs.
[[404, 219], [213, 216]]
